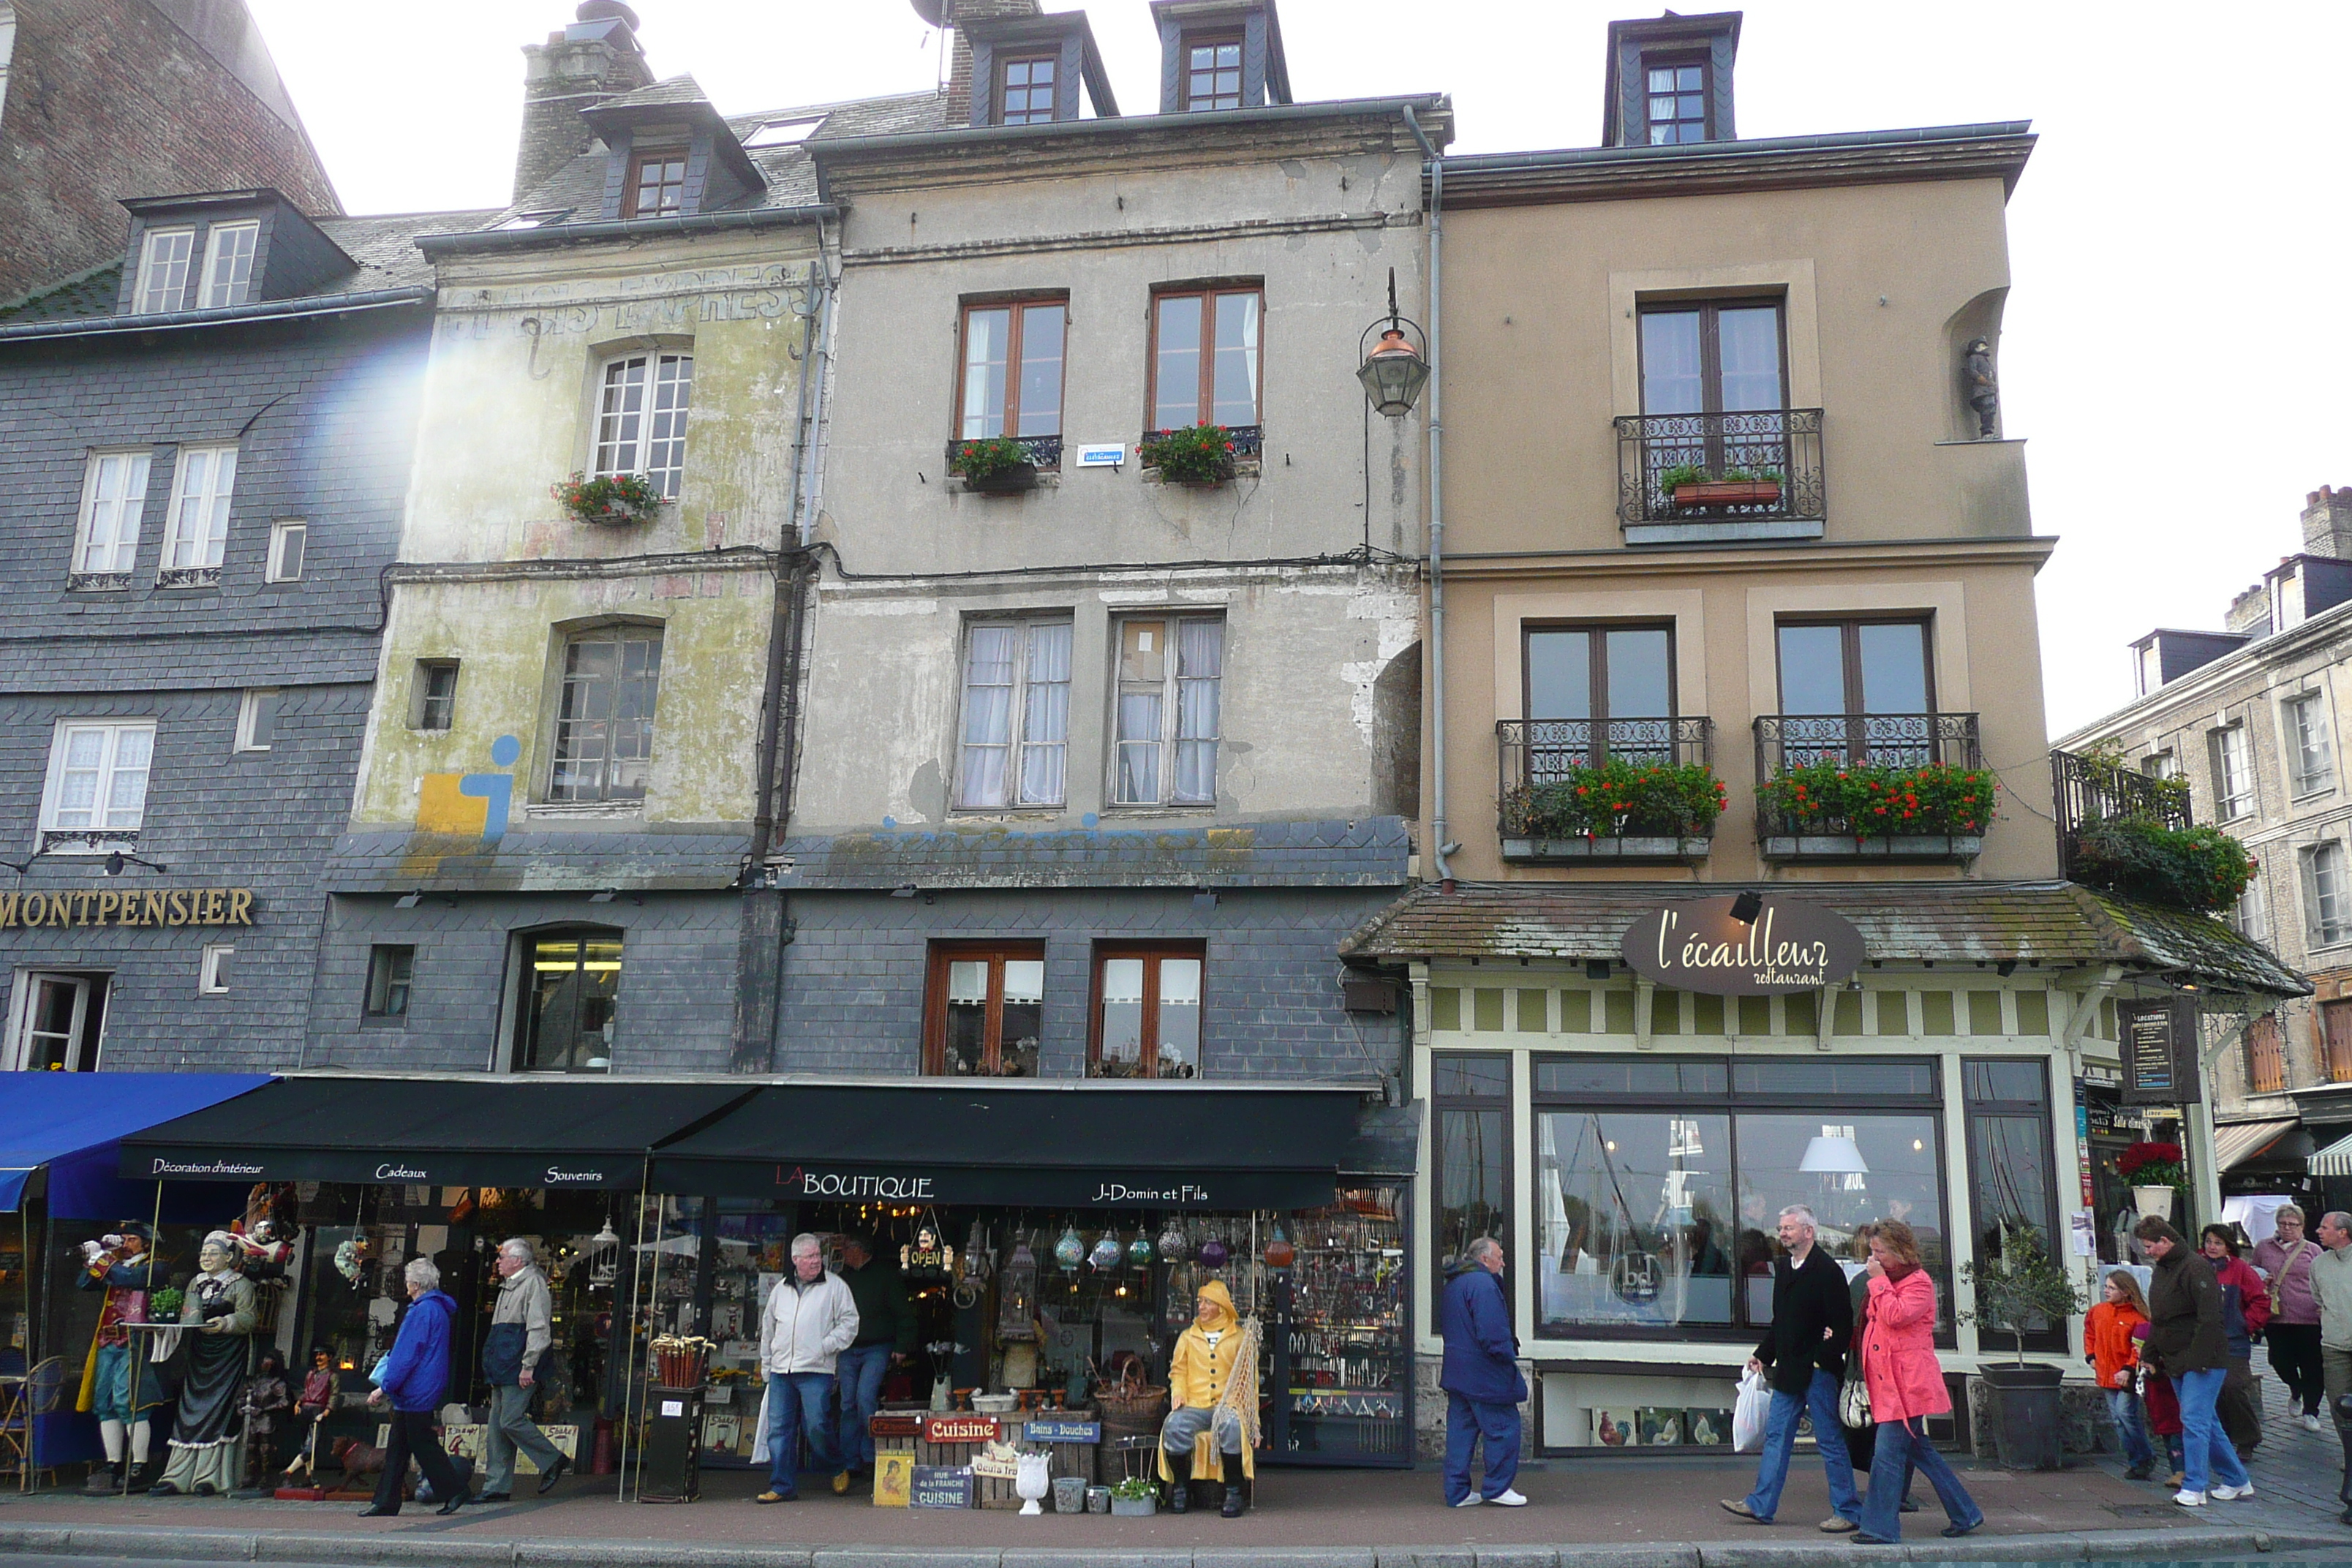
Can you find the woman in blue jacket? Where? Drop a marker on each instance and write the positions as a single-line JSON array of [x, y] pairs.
[[1481, 1378], [415, 1375]]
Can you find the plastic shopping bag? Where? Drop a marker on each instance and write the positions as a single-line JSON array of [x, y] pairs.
[[1748, 1413]]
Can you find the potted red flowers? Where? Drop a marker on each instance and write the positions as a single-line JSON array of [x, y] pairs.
[[998, 465], [1196, 455], [608, 497], [2154, 1171]]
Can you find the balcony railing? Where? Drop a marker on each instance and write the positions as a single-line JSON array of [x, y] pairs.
[[2086, 789], [1788, 742], [1759, 466], [1536, 752], [1044, 451]]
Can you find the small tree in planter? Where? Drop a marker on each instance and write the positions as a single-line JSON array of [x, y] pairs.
[[993, 463], [1196, 455], [608, 497], [2022, 1289]]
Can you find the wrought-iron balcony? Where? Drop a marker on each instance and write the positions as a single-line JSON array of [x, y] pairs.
[[2090, 789], [1697, 477], [1249, 440], [1044, 451], [1543, 761], [1847, 787]]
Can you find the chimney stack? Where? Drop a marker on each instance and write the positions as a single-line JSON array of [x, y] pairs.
[[2327, 523], [595, 58], [958, 103]]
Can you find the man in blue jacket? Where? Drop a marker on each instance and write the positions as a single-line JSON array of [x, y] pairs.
[[415, 1375], [1481, 1378]]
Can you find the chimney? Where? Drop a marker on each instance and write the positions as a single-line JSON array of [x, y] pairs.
[[2327, 523], [2251, 611], [958, 103], [595, 58]]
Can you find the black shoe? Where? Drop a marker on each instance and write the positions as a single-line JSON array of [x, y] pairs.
[[1236, 1499], [378, 1510], [103, 1478], [2139, 1472], [1954, 1531], [495, 1496], [1179, 1498], [1863, 1537], [163, 1488], [554, 1474], [457, 1501], [1907, 1505]]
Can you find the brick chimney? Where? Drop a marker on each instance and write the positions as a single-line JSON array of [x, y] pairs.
[[2327, 523], [959, 105], [595, 58], [2251, 611]]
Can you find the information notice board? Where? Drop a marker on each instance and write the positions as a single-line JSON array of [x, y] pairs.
[[2160, 1042]]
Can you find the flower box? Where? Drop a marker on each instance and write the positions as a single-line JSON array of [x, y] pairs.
[[1629, 847], [1005, 481], [1134, 1506], [1843, 847], [1728, 492]]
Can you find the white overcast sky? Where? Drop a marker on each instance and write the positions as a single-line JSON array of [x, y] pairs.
[[2176, 341]]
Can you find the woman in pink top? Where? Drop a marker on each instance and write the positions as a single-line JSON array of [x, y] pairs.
[[2285, 1260], [1906, 1386]]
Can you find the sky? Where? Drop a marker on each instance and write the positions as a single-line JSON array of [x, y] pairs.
[[2175, 347]]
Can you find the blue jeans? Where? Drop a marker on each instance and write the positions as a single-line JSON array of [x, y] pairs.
[[1467, 1420], [2206, 1453], [797, 1399], [1902, 1448], [860, 1370], [1818, 1400], [2131, 1426]]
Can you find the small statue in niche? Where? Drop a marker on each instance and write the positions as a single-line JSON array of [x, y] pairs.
[[1982, 386]]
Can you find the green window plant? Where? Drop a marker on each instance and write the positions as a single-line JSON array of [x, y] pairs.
[[2022, 1290], [1620, 799], [1196, 455], [1870, 800], [608, 497], [990, 457], [2202, 870]]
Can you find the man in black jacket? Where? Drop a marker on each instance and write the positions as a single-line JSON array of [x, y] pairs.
[[1804, 1351]]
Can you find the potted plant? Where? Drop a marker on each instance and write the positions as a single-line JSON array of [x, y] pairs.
[[2198, 870], [608, 497], [2020, 1290], [997, 465], [1830, 806], [2154, 1171], [1196, 455], [1617, 809], [1691, 485], [1137, 1497]]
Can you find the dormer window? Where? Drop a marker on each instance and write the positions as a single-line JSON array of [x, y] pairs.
[[1212, 73], [228, 263], [164, 268], [1026, 90], [1677, 103], [656, 186]]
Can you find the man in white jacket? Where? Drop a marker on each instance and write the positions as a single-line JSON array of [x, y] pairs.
[[808, 1321]]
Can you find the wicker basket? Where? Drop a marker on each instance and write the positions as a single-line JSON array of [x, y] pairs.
[[1130, 1407]]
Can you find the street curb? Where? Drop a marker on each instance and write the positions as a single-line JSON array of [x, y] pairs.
[[422, 1551]]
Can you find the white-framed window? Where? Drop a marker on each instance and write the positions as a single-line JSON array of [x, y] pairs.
[[2248, 917], [1170, 670], [604, 731], [256, 718], [197, 531], [1015, 745], [164, 262], [391, 970], [2233, 772], [289, 538], [97, 788], [641, 418], [113, 498], [212, 976], [2327, 903], [433, 695], [2311, 748], [228, 263], [57, 1022], [2160, 765]]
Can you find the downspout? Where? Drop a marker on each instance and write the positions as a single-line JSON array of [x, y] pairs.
[[1439, 845]]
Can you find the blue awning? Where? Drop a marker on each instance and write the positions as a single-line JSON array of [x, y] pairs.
[[71, 1122]]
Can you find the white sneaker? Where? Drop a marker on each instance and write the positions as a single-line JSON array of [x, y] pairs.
[[2231, 1494], [2311, 1423], [2188, 1498], [1511, 1499], [1472, 1500]]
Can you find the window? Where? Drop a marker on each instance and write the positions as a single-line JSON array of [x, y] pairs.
[[1011, 370], [97, 790], [2012, 1182], [2233, 774], [604, 731], [2327, 914], [113, 498], [2310, 753], [288, 539], [569, 1000], [656, 186], [2265, 1057], [1147, 1013], [164, 268], [391, 969], [1016, 716], [60, 1021], [783, 132], [228, 263], [211, 973], [1677, 103], [2248, 917], [256, 718], [1025, 89], [1712, 359], [986, 1011], [1168, 719], [433, 694], [1471, 1099], [1212, 73], [2335, 1039], [1204, 358], [2160, 765], [1875, 678], [198, 529], [1595, 692], [641, 419]]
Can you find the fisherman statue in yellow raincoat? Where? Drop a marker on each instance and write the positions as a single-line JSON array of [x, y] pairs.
[[1213, 1398]]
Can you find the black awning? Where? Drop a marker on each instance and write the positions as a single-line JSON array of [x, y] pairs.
[[521, 1132], [1087, 1146]]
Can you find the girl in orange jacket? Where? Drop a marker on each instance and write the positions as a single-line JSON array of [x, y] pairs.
[[2114, 1353]]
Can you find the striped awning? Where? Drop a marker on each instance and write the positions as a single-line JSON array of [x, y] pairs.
[[2335, 1160], [2237, 1142]]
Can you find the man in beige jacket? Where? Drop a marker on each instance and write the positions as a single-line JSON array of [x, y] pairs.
[[521, 1327]]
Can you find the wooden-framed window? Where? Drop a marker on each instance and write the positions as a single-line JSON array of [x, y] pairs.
[[986, 1010], [289, 537], [1601, 672], [1013, 356], [1171, 673], [1470, 1145], [657, 185], [113, 498], [1205, 364], [1016, 743], [433, 694], [1677, 101], [228, 263], [1025, 89], [1713, 357], [605, 730], [2335, 1039], [1855, 666], [641, 418], [1147, 1011], [164, 261], [569, 1000], [196, 527], [1213, 71], [2265, 1057]]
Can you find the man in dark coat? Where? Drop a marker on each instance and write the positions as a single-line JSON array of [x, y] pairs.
[[2187, 1342], [1481, 1378], [1804, 1352], [886, 1338]]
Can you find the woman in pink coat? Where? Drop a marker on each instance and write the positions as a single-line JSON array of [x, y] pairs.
[[1906, 1386]]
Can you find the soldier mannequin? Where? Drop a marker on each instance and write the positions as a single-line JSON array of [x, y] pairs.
[[113, 1385]]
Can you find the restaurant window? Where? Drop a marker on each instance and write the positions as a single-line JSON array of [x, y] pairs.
[[657, 185], [2012, 1183], [195, 527], [392, 969], [1677, 101], [986, 1012], [2311, 753], [1596, 692], [570, 998], [1024, 90], [1659, 1182], [1015, 743], [1147, 1012], [228, 263], [114, 499], [2265, 1057], [1168, 711], [1011, 370], [1470, 1096], [164, 263], [1205, 365], [97, 789], [641, 419], [1212, 73], [2335, 1039], [60, 1021], [2233, 773], [605, 730]]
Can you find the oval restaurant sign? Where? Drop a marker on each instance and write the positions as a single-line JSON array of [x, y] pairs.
[[1699, 946]]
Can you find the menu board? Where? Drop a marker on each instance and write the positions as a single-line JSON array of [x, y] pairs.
[[2159, 1042]]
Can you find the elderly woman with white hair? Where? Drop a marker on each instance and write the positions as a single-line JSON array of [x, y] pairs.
[[415, 1377]]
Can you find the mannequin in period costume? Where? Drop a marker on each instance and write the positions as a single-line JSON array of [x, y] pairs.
[[265, 1401], [220, 1309], [1213, 1391], [113, 1384]]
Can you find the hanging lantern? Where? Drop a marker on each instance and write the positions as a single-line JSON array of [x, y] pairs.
[[1214, 1255], [1016, 1295], [1139, 1251], [1280, 1253], [1175, 1247], [975, 1257], [1069, 1252], [1107, 1252]]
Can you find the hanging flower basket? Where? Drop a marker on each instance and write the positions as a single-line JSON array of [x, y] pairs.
[[608, 497]]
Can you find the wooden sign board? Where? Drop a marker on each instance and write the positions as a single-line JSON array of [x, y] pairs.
[[1060, 1429], [959, 1428], [940, 1486], [907, 1425], [1698, 945]]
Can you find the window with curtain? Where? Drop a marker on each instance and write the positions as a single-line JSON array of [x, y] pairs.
[[2328, 913], [113, 497], [1015, 748], [605, 728], [1168, 711], [1204, 358], [1677, 101], [1148, 1012], [164, 261], [196, 531], [1470, 1096], [1011, 370], [228, 263], [2233, 772], [2311, 753], [987, 1010]]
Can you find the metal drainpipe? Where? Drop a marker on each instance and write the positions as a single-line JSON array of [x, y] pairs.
[[1439, 847]]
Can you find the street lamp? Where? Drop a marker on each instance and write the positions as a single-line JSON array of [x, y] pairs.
[[1394, 371]]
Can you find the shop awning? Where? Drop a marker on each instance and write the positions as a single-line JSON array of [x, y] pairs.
[[2236, 1142], [1086, 1145], [2335, 1160], [70, 1121], [491, 1132]]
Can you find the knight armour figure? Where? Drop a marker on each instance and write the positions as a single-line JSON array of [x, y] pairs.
[[1982, 387]]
